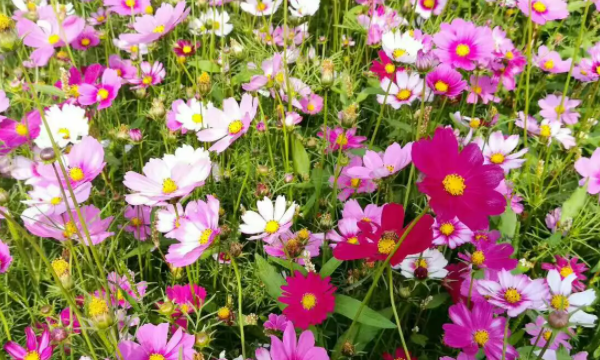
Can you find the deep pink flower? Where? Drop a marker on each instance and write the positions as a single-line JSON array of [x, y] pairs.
[[127, 7], [384, 68], [37, 347], [291, 349], [5, 258], [87, 75], [398, 355], [542, 11], [445, 81], [312, 104], [153, 342], [185, 48], [491, 256], [16, 133], [458, 182], [152, 27], [463, 45], [88, 38], [139, 221], [309, 299], [276, 323], [103, 93], [486, 236], [566, 265], [477, 329], [188, 300], [482, 88], [124, 68], [339, 137], [452, 233]]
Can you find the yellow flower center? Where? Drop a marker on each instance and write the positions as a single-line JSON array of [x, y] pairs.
[[545, 131], [390, 168], [429, 4], [136, 221], [197, 118], [147, 80], [60, 266], [76, 174], [310, 107], [156, 357], [308, 301], [390, 68], [559, 110], [31, 6], [85, 41], [549, 65], [205, 236], [559, 302], [509, 55], [159, 29], [22, 130], [387, 243], [454, 184], [398, 53], [74, 91], [353, 240], [100, 18], [53, 39], [477, 89], [97, 307], [403, 94], [547, 334], [512, 296], [447, 229], [341, 140], [441, 86], [149, 10], [235, 127], [103, 94], [463, 50], [355, 183], [32, 355], [66, 134], [481, 337], [478, 258], [271, 227], [134, 49], [480, 237], [475, 123], [224, 313], [539, 7], [497, 158], [5, 22], [421, 263], [598, 69], [566, 271], [261, 6], [303, 234], [185, 308], [130, 3], [55, 200], [169, 186], [187, 49], [70, 229]]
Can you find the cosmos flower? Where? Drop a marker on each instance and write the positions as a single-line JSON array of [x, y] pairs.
[[377, 244], [212, 21], [514, 293], [290, 349], [47, 198], [485, 236], [98, 18], [271, 220], [555, 108], [302, 8], [548, 131], [185, 48], [566, 265], [309, 299], [406, 89], [37, 347], [67, 125], [197, 233], [463, 45], [446, 81], [104, 93], [88, 38], [584, 71], [152, 27], [16, 133], [553, 221], [4, 102], [379, 20], [134, 50], [124, 68], [5, 258], [542, 11], [340, 138], [78, 77], [452, 233], [458, 182], [170, 218], [126, 283], [375, 166], [477, 329], [276, 323], [350, 185], [152, 74], [188, 299], [498, 151], [127, 7], [348, 232], [298, 246], [550, 61], [401, 47], [312, 104], [426, 8], [493, 256], [139, 221], [272, 71], [260, 7], [190, 115], [563, 299], [153, 341], [541, 326], [454, 280], [385, 68], [430, 264], [353, 211], [482, 88]]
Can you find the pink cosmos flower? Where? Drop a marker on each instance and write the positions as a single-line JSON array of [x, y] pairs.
[[135, 51], [88, 38], [152, 74], [126, 283], [507, 66], [225, 126], [291, 349], [293, 36], [584, 71], [349, 184], [594, 52], [542, 11], [541, 332], [61, 228], [152, 27], [378, 21], [309, 299], [124, 68], [353, 211], [395, 158], [553, 219], [127, 7], [297, 245], [171, 218], [260, 7], [553, 107], [188, 299], [426, 8], [406, 89], [47, 198], [185, 48], [566, 265], [98, 18], [103, 93], [506, 188], [445, 81], [77, 77], [550, 61], [271, 72], [5, 258], [339, 138], [482, 88], [548, 130], [491, 256], [16, 133], [197, 234], [276, 323], [514, 293], [190, 115], [487, 236], [37, 347], [348, 232], [153, 342], [452, 233], [463, 45], [4, 102], [312, 104], [477, 329], [139, 221], [498, 151]]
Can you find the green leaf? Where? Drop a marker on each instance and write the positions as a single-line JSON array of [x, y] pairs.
[[554, 239], [562, 354], [286, 264], [301, 159], [49, 90], [242, 77], [330, 266], [208, 66], [437, 300], [347, 306], [270, 277], [516, 337], [419, 339], [142, 249], [364, 333], [575, 5], [508, 223], [573, 205]]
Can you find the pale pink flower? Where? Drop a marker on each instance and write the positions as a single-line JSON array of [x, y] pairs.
[[375, 166], [554, 107]]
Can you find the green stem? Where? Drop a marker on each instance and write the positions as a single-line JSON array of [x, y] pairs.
[[392, 300], [387, 92], [240, 316]]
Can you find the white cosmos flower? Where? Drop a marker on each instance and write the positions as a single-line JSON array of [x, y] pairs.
[[431, 264], [401, 47], [67, 126], [186, 154], [260, 7], [192, 115], [302, 8], [27, 6], [562, 298], [212, 21], [270, 221]]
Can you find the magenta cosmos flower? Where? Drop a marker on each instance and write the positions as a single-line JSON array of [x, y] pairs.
[[197, 234], [188, 299], [375, 166], [153, 344], [124, 68], [452, 233], [88, 38], [499, 150], [445, 81], [566, 265], [426, 8], [276, 323], [492, 256], [550, 61], [37, 347], [309, 299], [139, 221], [514, 293], [291, 349], [5, 258], [554, 107], [458, 182], [589, 169], [152, 27], [542, 11], [463, 45], [482, 88], [16, 133], [477, 329], [152, 74], [103, 93], [127, 7], [225, 126], [126, 283], [384, 68], [339, 138]]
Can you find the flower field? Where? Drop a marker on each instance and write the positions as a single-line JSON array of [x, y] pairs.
[[299, 179]]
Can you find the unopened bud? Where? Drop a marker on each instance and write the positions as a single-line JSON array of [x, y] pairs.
[[288, 178], [558, 319], [46, 310], [327, 72], [235, 250], [135, 135], [262, 170], [47, 154], [4, 197], [202, 339], [59, 335], [204, 83], [166, 308], [405, 292]]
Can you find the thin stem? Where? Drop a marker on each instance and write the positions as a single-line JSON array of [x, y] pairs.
[[505, 340], [387, 92], [392, 300], [240, 317]]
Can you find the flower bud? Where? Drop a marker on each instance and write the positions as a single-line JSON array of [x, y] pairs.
[[235, 250], [263, 170], [327, 72], [348, 349], [8, 41], [261, 126], [288, 178], [46, 310], [203, 339], [135, 135], [204, 83], [262, 190], [166, 308], [99, 313], [237, 49], [251, 319], [404, 292], [47, 154], [157, 110], [312, 142], [4, 197], [59, 335], [558, 319]]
